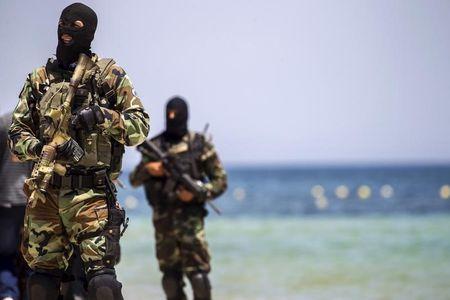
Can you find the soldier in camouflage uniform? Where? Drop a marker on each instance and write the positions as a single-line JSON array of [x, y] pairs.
[[178, 216], [76, 209]]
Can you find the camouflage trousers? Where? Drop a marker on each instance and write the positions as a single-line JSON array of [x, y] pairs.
[[60, 219], [180, 240]]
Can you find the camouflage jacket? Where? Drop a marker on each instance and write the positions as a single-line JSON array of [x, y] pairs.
[[126, 122], [199, 159]]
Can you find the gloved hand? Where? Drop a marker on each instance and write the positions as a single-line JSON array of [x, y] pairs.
[[36, 148], [88, 118], [70, 150]]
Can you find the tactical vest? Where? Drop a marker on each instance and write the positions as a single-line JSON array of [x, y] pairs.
[[189, 154], [100, 149]]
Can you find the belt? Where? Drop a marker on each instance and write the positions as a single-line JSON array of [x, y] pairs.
[[78, 181]]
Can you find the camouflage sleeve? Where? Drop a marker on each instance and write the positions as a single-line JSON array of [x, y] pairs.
[[128, 123], [213, 168], [22, 132]]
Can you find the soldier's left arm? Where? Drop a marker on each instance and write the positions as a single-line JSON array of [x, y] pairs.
[[127, 122], [213, 168]]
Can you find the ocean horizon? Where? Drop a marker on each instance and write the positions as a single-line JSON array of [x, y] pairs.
[[303, 190]]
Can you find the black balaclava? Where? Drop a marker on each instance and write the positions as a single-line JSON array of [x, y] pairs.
[[176, 118], [81, 37]]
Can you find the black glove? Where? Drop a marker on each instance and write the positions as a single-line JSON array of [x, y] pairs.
[[36, 149], [70, 150], [88, 117]]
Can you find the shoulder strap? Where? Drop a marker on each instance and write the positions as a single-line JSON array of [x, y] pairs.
[[198, 142], [105, 90], [55, 73], [105, 64], [195, 143]]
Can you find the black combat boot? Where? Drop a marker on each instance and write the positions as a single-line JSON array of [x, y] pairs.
[[173, 285], [44, 285], [103, 285], [200, 286]]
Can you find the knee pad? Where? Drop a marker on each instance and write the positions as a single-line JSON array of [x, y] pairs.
[[103, 285], [200, 286], [44, 285], [173, 284]]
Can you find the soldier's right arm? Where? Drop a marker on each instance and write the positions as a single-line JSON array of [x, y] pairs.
[[22, 132], [139, 175]]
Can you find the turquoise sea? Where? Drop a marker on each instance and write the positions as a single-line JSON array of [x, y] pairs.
[[375, 243]]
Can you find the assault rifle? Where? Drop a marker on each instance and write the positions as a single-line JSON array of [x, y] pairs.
[[176, 172], [45, 167]]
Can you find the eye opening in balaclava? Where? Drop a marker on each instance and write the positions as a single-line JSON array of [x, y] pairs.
[[81, 36], [177, 114]]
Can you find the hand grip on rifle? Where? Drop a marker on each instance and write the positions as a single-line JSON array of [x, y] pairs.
[[172, 167]]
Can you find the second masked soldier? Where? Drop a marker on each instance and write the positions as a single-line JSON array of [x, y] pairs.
[[178, 215]]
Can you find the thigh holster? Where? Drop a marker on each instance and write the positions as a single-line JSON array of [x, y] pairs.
[[112, 234], [117, 221]]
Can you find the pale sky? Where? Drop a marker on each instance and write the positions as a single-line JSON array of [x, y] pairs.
[[283, 81]]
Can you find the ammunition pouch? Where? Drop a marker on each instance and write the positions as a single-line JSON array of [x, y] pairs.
[[117, 151], [87, 179], [70, 150]]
